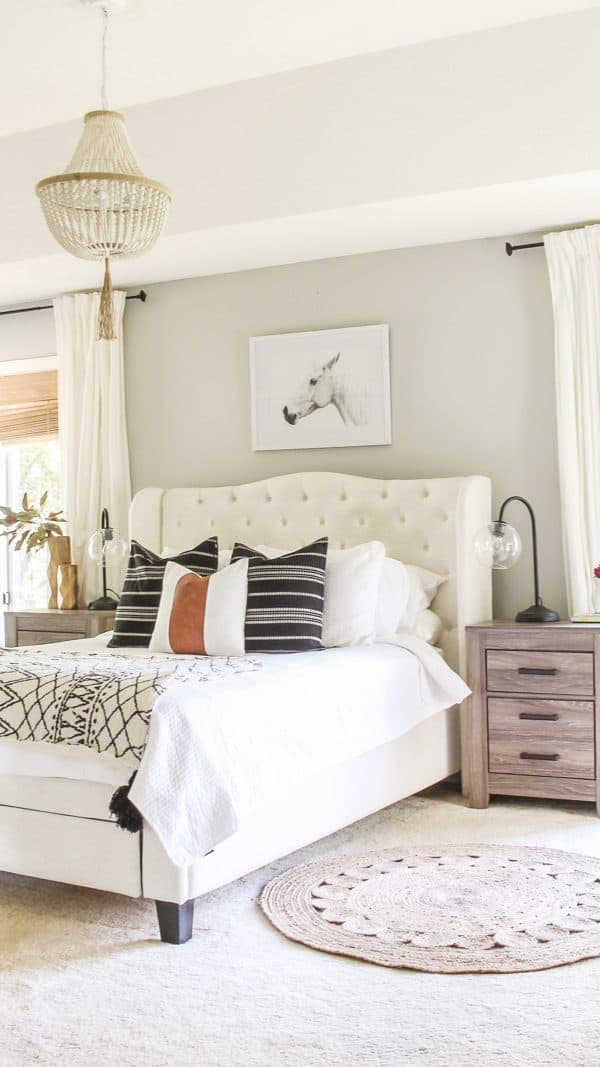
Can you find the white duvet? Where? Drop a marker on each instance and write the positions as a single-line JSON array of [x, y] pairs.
[[218, 750]]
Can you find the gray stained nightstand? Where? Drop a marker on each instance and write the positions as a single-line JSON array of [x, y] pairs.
[[532, 722], [48, 625]]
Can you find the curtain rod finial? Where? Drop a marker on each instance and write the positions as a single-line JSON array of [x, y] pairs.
[[508, 248]]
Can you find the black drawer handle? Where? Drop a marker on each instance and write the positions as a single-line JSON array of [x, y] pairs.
[[535, 716], [533, 755], [538, 670]]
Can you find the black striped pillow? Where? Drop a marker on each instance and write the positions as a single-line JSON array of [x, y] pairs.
[[138, 606], [284, 610]]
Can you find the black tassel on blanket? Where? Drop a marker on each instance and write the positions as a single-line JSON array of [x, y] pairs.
[[126, 813]]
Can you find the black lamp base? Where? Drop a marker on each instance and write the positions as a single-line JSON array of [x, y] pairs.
[[537, 613], [103, 603]]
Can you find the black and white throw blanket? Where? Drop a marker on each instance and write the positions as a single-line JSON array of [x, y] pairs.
[[101, 700]]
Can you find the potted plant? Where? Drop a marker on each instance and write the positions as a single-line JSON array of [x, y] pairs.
[[31, 528]]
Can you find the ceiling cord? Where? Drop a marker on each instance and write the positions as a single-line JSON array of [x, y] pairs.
[[104, 58]]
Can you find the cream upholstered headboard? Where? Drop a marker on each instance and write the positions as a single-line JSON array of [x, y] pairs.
[[427, 521]]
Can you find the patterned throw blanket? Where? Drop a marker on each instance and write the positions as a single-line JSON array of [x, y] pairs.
[[100, 700]]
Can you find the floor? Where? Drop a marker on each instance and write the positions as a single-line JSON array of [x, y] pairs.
[[83, 981]]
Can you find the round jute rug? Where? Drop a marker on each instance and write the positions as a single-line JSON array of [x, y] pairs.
[[452, 909]]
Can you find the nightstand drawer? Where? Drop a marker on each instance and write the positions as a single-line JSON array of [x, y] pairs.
[[552, 673], [46, 637], [541, 737]]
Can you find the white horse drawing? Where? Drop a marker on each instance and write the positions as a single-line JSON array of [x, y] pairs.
[[330, 386]]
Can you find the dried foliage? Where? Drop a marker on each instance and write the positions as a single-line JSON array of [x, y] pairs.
[[32, 527]]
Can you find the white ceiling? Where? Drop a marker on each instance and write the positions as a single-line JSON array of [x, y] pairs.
[[49, 49], [447, 120]]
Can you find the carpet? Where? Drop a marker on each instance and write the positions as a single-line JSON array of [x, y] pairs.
[[462, 909], [85, 983]]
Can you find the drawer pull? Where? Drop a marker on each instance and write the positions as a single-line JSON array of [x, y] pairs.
[[538, 716], [538, 670], [535, 755]]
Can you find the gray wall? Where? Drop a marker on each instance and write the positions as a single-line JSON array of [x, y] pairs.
[[472, 378]]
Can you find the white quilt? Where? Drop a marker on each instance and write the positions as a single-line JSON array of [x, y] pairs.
[[215, 752]]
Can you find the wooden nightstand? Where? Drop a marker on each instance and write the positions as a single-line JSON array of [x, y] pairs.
[[49, 625], [532, 722]]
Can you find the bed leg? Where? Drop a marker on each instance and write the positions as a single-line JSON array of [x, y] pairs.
[[176, 921]]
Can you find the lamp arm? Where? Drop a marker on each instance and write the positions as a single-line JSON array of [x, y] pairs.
[[536, 584]]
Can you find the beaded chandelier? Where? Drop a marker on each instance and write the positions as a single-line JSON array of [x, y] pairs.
[[102, 205]]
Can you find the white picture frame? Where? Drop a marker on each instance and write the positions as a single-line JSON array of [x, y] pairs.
[[321, 389]]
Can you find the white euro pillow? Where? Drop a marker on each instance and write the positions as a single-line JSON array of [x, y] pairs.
[[352, 581], [404, 591], [428, 626]]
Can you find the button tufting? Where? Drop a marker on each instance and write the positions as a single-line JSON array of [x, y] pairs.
[[426, 548], [361, 521], [248, 522], [343, 497], [322, 521], [426, 493], [179, 522], [233, 498], [269, 499], [384, 494], [284, 522], [305, 498], [200, 500]]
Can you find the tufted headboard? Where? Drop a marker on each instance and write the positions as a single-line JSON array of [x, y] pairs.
[[428, 521]]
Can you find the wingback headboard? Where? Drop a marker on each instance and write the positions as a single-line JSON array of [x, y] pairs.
[[427, 521]]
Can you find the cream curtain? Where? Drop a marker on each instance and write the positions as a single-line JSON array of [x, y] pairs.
[[92, 428], [573, 259]]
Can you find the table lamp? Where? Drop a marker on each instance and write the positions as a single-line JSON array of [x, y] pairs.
[[105, 546], [498, 545]]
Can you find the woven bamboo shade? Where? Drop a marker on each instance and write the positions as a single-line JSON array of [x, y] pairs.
[[102, 205], [28, 407]]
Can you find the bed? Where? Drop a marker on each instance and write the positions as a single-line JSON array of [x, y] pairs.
[[54, 822]]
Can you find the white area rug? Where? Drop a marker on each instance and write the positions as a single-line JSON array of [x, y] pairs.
[[82, 982]]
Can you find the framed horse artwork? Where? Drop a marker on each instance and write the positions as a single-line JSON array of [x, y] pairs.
[[321, 388]]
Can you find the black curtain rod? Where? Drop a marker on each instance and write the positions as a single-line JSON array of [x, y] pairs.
[[142, 295], [509, 249]]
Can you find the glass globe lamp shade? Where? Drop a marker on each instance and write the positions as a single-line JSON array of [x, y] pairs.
[[107, 546], [498, 545]]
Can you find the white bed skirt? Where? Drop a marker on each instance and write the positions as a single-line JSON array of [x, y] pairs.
[[86, 850]]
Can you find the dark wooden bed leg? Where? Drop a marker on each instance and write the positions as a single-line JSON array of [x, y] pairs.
[[176, 921]]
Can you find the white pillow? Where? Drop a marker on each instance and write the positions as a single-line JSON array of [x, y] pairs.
[[202, 616], [404, 591], [428, 627], [352, 579]]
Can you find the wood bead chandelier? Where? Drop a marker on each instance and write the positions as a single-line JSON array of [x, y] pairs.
[[102, 205]]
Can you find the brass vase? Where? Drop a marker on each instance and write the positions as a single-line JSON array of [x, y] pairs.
[[67, 586], [59, 546]]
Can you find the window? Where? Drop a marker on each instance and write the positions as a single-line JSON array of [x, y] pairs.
[[29, 463]]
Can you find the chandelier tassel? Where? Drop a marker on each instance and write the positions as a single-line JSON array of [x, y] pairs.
[[106, 317]]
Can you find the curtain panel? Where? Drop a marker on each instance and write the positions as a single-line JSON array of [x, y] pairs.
[[573, 259], [92, 429]]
